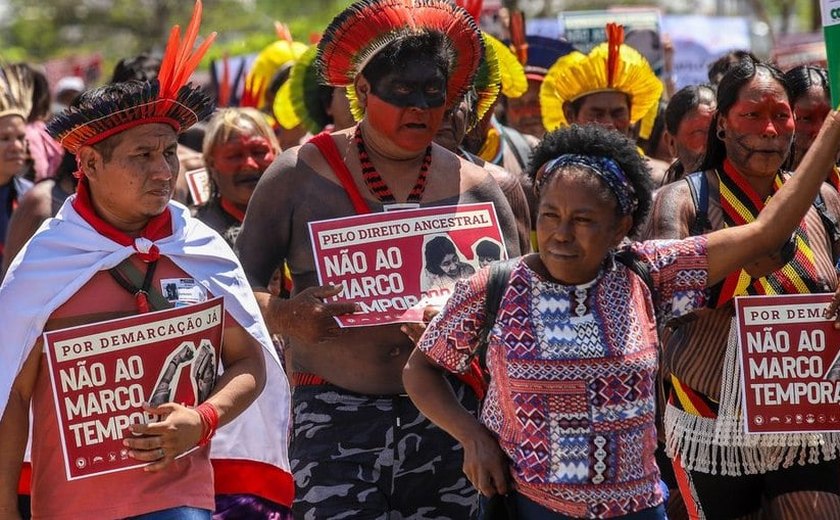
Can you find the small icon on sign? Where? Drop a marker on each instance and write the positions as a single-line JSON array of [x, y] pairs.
[[759, 420], [81, 463]]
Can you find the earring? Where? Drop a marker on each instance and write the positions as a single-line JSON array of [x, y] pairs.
[[720, 134]]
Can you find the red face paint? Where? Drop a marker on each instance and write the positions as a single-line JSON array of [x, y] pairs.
[[410, 129], [692, 134], [238, 164], [759, 127], [809, 112]]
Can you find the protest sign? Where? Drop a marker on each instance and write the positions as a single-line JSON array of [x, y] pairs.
[[102, 374], [831, 31], [393, 264], [198, 182], [790, 364]]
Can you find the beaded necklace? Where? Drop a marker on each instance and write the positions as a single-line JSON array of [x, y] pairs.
[[377, 185]]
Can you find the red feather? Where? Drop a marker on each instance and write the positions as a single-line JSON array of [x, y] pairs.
[[179, 60], [517, 36], [224, 85], [473, 7], [615, 37]]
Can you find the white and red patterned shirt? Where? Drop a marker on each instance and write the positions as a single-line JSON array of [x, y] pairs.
[[573, 374]]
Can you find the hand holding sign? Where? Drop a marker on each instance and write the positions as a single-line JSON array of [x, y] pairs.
[[308, 317], [178, 431]]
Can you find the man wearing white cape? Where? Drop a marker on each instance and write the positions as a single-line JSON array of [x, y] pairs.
[[125, 138]]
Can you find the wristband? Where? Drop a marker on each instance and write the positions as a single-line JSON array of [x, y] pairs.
[[209, 422]]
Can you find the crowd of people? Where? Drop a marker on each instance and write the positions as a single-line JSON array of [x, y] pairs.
[[584, 365]]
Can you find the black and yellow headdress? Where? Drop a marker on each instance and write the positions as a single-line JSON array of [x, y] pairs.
[[167, 99], [16, 85], [366, 27], [609, 67], [299, 101]]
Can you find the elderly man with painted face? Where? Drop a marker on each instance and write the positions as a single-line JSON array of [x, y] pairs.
[[359, 446], [613, 86], [108, 254]]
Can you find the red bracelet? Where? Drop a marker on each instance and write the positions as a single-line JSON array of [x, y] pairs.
[[209, 422]]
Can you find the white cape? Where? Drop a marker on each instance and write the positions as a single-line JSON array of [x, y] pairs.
[[66, 252]]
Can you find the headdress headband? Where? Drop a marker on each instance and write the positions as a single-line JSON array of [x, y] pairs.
[[610, 66], [166, 99], [367, 26], [604, 167], [16, 87]]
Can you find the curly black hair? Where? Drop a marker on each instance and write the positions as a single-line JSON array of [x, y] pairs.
[[599, 141]]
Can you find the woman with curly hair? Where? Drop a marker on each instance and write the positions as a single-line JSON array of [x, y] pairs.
[[572, 355]]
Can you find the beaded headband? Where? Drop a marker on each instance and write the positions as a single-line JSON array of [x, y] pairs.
[[605, 168], [167, 99]]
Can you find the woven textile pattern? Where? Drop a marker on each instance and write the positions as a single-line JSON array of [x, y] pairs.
[[572, 393]]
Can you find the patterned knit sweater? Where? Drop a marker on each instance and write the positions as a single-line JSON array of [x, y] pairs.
[[573, 371]]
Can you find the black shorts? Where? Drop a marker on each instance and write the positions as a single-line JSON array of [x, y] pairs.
[[724, 497]]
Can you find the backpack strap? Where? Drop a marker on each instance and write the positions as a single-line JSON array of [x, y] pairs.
[[518, 145], [497, 282], [828, 220], [632, 262], [698, 185]]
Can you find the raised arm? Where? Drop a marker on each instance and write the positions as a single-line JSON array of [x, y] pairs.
[[734, 247]]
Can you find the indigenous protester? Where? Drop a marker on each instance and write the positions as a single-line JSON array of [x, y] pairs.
[[44, 153], [567, 427], [687, 121], [782, 475], [810, 100], [37, 205], [78, 270], [16, 86], [239, 145], [720, 66], [613, 86], [359, 447], [537, 54]]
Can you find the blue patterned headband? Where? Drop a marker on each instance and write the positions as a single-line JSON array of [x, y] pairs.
[[607, 169]]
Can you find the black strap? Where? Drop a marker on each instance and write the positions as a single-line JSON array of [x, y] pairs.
[[518, 144], [497, 282], [698, 185], [629, 259], [129, 278]]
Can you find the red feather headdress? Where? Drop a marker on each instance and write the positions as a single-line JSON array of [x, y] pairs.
[[367, 26], [166, 99]]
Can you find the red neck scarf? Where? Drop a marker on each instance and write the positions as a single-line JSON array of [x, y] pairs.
[[231, 209], [158, 227]]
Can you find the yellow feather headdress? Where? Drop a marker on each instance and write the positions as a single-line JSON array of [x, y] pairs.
[[610, 66], [16, 87]]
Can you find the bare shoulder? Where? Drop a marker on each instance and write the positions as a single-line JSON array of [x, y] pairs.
[[673, 210], [37, 202], [658, 169]]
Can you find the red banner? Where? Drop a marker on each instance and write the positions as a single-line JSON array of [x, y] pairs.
[[790, 363], [102, 374], [393, 264]]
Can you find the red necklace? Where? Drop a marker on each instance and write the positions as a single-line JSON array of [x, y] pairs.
[[377, 185]]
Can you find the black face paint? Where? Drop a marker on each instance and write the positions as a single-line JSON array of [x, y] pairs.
[[418, 85]]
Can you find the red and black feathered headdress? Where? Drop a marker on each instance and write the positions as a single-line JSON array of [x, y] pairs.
[[167, 99], [368, 26]]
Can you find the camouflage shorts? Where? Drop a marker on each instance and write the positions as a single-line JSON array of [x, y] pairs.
[[375, 457]]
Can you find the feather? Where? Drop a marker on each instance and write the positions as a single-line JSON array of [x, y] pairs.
[[224, 84], [179, 61], [282, 31], [517, 36], [615, 37], [473, 7]]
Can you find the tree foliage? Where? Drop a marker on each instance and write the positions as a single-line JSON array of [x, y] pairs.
[[39, 30]]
